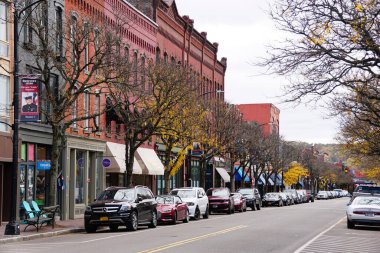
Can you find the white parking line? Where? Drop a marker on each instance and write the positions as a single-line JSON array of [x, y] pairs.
[[317, 236]]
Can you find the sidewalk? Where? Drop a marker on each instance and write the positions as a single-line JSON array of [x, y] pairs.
[[60, 228]]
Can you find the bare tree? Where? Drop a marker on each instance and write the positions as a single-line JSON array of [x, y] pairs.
[[332, 44], [142, 108], [81, 51]]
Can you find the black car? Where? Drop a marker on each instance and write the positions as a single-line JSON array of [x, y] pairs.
[[121, 206], [252, 196]]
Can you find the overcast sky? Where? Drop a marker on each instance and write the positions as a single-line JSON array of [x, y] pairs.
[[243, 29]]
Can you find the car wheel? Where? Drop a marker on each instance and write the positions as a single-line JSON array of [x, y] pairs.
[[258, 206], [197, 213], [114, 228], [153, 223], [132, 223], [350, 224], [186, 220], [90, 228], [174, 221], [205, 216], [229, 210], [254, 206]]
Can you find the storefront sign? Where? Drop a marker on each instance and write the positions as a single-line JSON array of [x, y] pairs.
[[106, 162], [30, 111], [43, 165]]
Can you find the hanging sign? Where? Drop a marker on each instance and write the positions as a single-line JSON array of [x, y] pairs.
[[106, 162], [43, 165], [30, 111]]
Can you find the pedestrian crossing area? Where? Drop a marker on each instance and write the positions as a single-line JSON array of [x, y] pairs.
[[343, 244]]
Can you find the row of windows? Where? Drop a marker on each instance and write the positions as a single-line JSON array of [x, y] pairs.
[[4, 44], [121, 8]]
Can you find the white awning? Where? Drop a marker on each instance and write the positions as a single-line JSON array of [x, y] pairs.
[[224, 174], [149, 161], [219, 159], [115, 152]]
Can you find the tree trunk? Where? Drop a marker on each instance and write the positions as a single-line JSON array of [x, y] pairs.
[[54, 166], [129, 155], [168, 153], [202, 173]]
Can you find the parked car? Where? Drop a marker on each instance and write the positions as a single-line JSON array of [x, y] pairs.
[[196, 200], [310, 195], [273, 199], [171, 209], [362, 190], [286, 199], [240, 202], [220, 200], [340, 192], [253, 198], [291, 197], [121, 206], [296, 197], [364, 210], [302, 196], [322, 195]]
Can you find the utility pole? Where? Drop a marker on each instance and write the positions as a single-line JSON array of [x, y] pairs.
[[13, 227]]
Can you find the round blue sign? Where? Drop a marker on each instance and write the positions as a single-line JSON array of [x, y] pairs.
[[106, 162]]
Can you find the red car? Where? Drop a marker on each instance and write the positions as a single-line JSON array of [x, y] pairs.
[[240, 202], [220, 200], [171, 209]]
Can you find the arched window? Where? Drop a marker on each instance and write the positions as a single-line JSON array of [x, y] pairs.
[[158, 54], [166, 57]]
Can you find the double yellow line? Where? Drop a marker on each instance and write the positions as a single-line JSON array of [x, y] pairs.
[[180, 243]]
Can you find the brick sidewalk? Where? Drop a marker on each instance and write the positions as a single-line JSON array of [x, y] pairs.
[[61, 227]]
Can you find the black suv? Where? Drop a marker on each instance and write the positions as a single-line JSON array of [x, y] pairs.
[[252, 196], [121, 206]]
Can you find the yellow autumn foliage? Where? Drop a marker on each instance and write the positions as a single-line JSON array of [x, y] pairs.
[[295, 171], [373, 174]]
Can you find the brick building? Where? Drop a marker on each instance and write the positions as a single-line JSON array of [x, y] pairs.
[[266, 115]]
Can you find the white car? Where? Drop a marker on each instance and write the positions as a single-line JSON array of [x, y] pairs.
[[363, 210], [196, 200], [322, 195]]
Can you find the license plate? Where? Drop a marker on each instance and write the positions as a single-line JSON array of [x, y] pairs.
[[370, 214], [103, 218], [215, 206]]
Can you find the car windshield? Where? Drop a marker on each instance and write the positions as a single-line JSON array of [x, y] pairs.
[[184, 193], [236, 196], [246, 192], [218, 193], [322, 192], [271, 195], [120, 195], [165, 200], [369, 189], [367, 201]]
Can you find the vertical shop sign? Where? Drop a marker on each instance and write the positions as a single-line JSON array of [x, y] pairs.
[[30, 111]]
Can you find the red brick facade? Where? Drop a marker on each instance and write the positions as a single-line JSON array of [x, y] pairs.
[[266, 115]]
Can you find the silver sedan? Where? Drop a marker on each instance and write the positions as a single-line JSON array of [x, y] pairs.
[[363, 210]]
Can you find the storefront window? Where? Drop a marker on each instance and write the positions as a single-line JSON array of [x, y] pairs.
[[23, 152], [22, 182], [98, 177], [30, 183], [31, 152], [41, 177], [79, 178]]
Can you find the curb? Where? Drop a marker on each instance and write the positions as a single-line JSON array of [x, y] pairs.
[[41, 235]]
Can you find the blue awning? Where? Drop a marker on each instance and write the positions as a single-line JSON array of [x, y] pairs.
[[239, 175], [278, 181], [301, 184], [261, 180]]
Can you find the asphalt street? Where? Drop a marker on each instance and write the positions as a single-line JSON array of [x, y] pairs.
[[312, 227]]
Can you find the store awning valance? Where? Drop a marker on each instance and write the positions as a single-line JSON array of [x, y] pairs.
[[224, 174], [149, 161], [115, 152]]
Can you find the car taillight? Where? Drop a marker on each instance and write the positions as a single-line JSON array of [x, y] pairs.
[[378, 213], [359, 212]]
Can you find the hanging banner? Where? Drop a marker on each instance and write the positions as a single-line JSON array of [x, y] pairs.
[[30, 111]]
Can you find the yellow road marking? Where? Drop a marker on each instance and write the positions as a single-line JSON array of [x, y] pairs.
[[179, 243]]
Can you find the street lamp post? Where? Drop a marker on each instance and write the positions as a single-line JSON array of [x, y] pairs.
[[13, 227]]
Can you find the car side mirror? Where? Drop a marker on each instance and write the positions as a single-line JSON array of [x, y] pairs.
[[139, 199], [94, 200]]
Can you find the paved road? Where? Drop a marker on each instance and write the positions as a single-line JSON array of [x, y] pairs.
[[312, 227]]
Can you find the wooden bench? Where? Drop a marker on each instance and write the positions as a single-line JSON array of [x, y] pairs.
[[37, 218]]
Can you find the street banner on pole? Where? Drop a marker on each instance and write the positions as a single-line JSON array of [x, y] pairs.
[[30, 111]]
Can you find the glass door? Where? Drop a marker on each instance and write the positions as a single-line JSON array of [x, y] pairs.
[[22, 182], [30, 183]]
